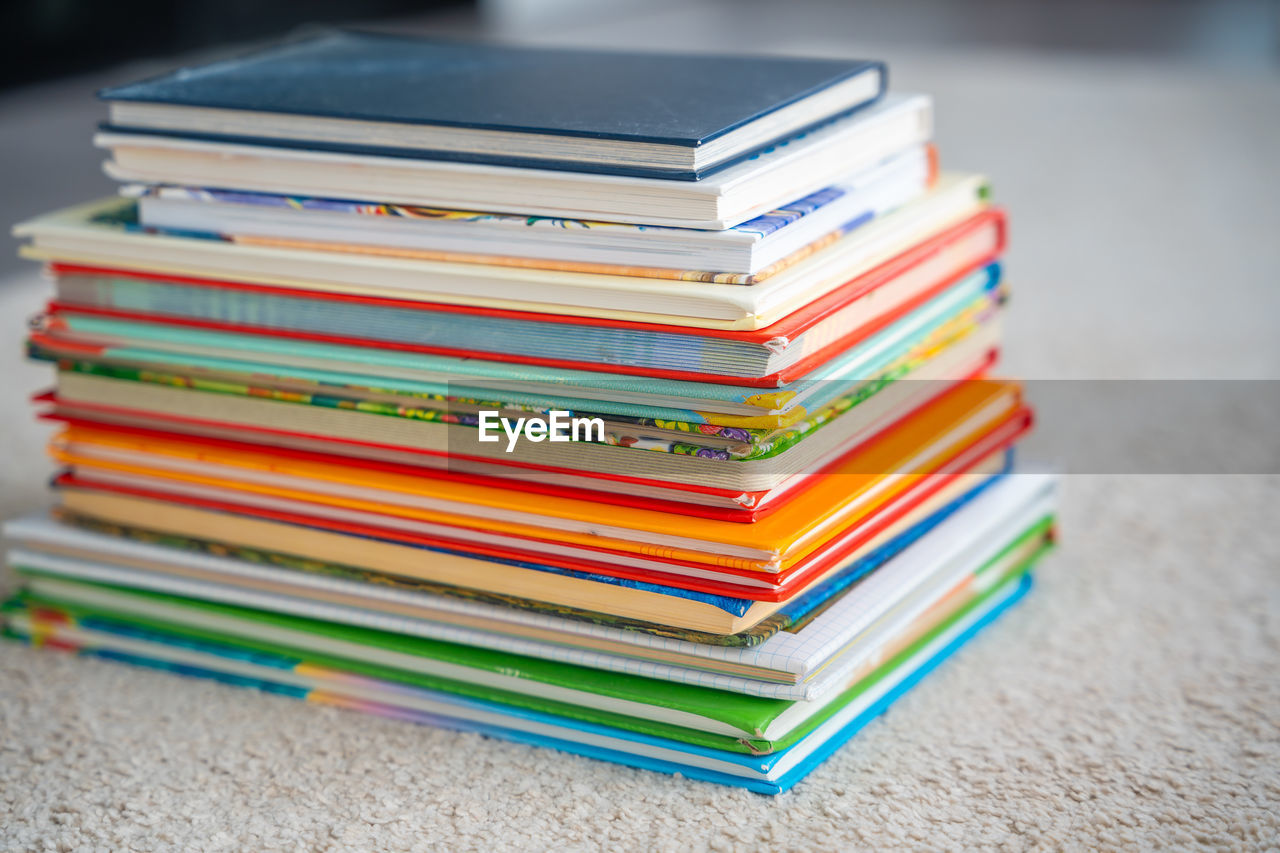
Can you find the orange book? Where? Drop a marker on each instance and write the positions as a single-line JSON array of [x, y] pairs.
[[854, 491]]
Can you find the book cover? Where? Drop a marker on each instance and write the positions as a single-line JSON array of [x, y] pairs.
[[686, 101], [322, 651], [798, 663], [768, 773], [732, 421], [103, 234], [922, 443], [800, 342]]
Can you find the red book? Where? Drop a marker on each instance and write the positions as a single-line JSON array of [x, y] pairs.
[[783, 352]]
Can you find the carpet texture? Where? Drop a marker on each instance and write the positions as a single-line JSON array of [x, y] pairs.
[[1132, 700], [1131, 697]]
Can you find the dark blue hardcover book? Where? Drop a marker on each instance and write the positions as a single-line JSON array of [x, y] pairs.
[[660, 115]]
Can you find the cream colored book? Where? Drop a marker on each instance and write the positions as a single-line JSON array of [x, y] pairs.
[[735, 194], [96, 234]]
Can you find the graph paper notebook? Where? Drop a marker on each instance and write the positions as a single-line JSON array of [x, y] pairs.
[[801, 663], [664, 114]]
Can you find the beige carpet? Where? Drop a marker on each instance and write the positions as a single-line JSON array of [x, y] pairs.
[[1131, 701], [1131, 698]]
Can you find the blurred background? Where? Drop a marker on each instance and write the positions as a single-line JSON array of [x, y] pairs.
[[1133, 141], [58, 52]]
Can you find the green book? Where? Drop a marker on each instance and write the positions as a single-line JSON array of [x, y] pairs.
[[685, 712]]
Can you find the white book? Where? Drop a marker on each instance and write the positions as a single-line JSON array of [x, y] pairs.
[[771, 772], [746, 248], [92, 235], [819, 658], [735, 194], [465, 712]]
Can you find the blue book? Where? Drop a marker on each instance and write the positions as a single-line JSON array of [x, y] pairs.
[[641, 114], [768, 773]]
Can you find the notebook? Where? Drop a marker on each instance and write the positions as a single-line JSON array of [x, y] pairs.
[[664, 114]]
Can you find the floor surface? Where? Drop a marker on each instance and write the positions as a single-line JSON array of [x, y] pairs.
[[1132, 699]]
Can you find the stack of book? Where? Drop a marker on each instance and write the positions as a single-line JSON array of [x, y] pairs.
[[634, 405]]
